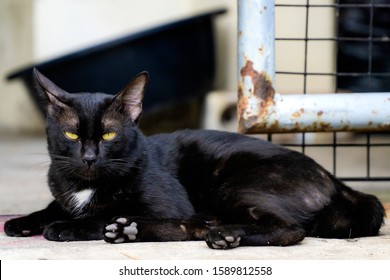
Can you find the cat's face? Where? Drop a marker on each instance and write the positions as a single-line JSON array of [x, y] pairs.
[[90, 135]]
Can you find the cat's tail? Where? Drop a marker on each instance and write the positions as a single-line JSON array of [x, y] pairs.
[[350, 214]]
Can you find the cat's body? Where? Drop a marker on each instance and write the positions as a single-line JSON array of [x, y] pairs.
[[110, 181]]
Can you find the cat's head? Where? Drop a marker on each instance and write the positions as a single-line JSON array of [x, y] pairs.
[[92, 135]]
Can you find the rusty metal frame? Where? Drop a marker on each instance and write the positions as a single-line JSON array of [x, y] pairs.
[[262, 110]]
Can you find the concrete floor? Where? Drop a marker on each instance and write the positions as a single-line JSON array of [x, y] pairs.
[[23, 167]]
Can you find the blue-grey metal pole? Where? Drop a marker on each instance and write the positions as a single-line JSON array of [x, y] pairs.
[[261, 110], [256, 61]]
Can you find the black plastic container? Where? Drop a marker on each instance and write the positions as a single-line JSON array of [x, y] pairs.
[[179, 57]]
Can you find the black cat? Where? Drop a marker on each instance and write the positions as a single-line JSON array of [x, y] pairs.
[[111, 182]]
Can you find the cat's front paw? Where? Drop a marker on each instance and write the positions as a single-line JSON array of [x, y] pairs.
[[120, 230], [223, 238], [59, 231], [22, 227], [71, 231]]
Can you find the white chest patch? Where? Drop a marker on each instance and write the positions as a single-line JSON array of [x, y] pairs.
[[80, 199]]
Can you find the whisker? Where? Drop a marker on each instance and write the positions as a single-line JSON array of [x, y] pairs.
[[111, 168], [40, 167], [64, 164]]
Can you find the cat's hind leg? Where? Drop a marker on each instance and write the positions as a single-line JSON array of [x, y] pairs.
[[231, 236], [254, 226], [270, 232], [140, 229]]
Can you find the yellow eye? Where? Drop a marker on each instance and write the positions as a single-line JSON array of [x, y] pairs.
[[71, 136], [108, 136]]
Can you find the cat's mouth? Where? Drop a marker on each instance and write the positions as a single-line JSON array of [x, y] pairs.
[[88, 173]]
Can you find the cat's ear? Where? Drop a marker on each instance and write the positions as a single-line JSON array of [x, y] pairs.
[[132, 95], [49, 92]]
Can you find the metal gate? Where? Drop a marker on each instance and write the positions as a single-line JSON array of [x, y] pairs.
[[363, 113]]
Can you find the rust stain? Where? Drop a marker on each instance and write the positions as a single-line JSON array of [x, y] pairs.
[[248, 125], [263, 91], [241, 105], [261, 83], [314, 127], [384, 127], [264, 128], [325, 126], [298, 114], [242, 100], [320, 113]]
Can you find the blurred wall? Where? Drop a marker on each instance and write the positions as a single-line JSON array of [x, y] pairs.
[[37, 30], [17, 114], [34, 31], [290, 22]]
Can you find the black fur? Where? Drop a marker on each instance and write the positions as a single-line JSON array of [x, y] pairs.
[[225, 188]]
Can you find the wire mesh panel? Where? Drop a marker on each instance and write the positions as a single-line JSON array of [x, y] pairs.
[[339, 46]]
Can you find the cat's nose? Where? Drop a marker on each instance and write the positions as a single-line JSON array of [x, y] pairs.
[[89, 156], [89, 160]]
